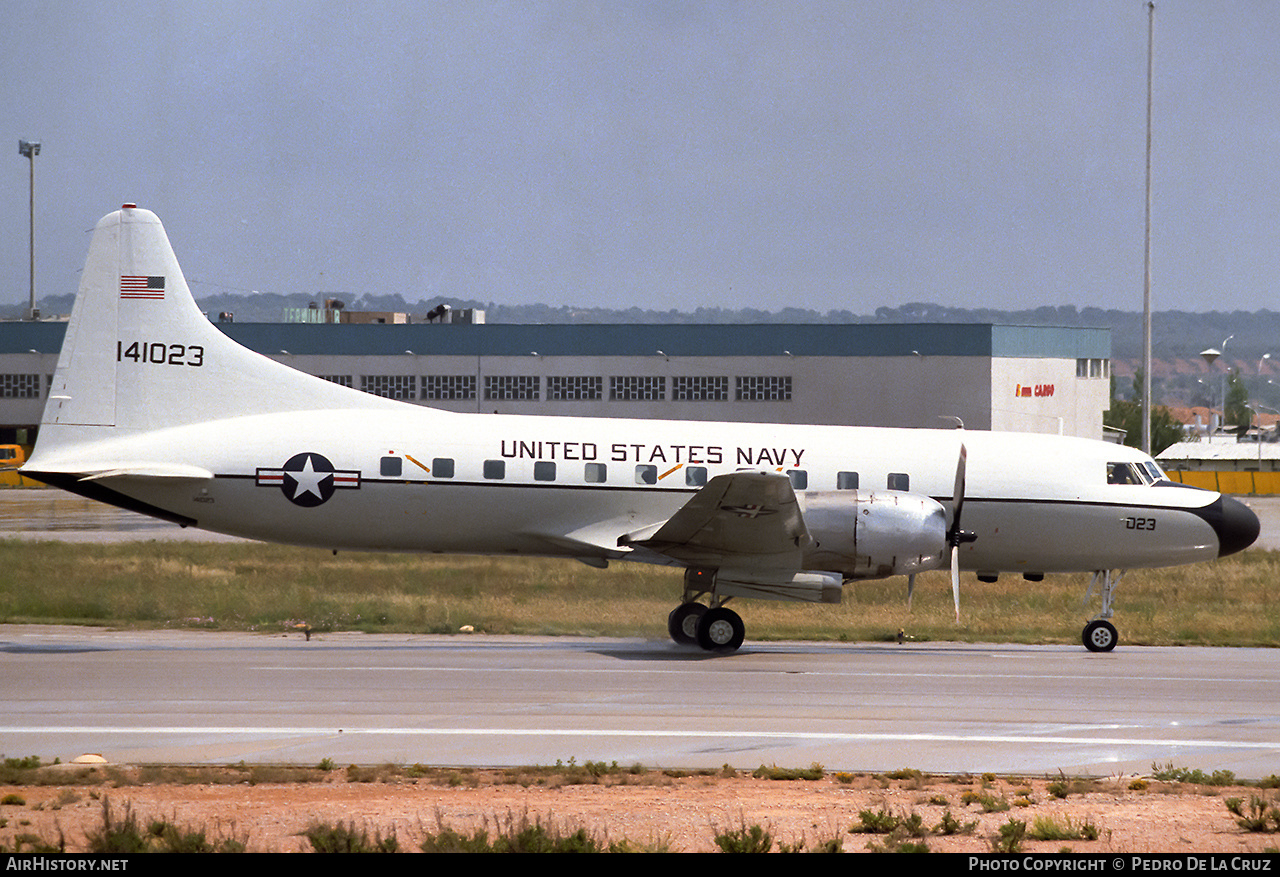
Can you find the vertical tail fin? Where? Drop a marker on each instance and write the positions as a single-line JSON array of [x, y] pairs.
[[140, 355]]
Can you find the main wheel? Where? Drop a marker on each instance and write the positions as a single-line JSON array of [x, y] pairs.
[[720, 630], [1100, 636], [682, 623]]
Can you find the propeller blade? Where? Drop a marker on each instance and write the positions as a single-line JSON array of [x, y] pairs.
[[956, 536], [911, 586], [955, 578], [957, 495]]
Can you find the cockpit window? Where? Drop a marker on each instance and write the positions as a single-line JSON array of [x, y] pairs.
[[1133, 473]]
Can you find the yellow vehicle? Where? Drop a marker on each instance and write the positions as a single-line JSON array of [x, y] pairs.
[[12, 457]]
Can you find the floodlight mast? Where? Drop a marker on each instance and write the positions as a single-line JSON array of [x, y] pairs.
[[29, 149], [1146, 284]]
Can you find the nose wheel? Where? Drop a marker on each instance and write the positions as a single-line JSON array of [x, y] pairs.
[[1100, 636]]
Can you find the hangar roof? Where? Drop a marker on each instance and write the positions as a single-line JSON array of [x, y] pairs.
[[757, 339]]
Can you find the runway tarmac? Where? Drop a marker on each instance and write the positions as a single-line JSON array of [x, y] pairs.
[[199, 697]]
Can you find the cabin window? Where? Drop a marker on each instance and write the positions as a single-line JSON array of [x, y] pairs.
[[799, 478], [646, 474], [899, 481], [595, 473], [390, 467], [695, 476], [442, 467], [495, 469], [846, 481], [544, 470]]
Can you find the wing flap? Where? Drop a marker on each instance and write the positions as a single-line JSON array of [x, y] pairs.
[[743, 517]]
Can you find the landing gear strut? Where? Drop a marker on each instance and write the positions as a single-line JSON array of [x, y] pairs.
[[1099, 634]]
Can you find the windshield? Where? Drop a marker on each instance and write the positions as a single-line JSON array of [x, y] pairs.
[[1130, 473]]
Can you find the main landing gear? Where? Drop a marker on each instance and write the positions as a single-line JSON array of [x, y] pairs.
[[1099, 634], [714, 628]]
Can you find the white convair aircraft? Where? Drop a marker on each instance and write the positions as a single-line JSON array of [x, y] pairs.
[[153, 409]]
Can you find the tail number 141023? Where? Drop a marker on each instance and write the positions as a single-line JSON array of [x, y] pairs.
[[160, 353]]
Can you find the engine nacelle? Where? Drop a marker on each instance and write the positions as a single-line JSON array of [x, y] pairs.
[[874, 535]]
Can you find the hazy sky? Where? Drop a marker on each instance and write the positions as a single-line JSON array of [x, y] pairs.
[[657, 154]]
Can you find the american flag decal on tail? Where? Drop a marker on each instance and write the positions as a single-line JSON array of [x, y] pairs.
[[138, 286]]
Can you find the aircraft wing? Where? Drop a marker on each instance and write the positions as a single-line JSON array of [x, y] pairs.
[[740, 519]]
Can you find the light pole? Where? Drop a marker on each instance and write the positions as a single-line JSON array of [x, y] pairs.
[[1226, 370], [1209, 356], [29, 150]]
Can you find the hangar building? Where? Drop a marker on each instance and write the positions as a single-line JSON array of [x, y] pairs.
[[1011, 378]]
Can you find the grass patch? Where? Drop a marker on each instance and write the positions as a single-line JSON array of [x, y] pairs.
[[249, 586]]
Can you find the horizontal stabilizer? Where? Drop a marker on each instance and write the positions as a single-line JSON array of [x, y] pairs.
[[173, 471]]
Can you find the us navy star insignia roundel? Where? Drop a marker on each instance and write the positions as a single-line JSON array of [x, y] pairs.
[[308, 479]]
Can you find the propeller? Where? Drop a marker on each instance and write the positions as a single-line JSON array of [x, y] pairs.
[[955, 536]]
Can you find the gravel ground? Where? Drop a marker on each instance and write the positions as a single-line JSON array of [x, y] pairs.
[[652, 810]]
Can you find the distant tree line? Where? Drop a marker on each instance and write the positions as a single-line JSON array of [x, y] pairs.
[[1176, 335]]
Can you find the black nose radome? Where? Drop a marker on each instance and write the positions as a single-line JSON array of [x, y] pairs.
[[1234, 522]]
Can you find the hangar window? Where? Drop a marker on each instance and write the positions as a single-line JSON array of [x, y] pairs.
[[442, 467], [340, 380], [390, 386], [646, 474], [595, 473], [495, 469], [20, 386], [390, 467], [544, 470], [799, 478], [699, 388], [446, 387], [507, 388], [846, 481], [574, 388], [695, 476], [764, 388], [637, 388], [899, 481]]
